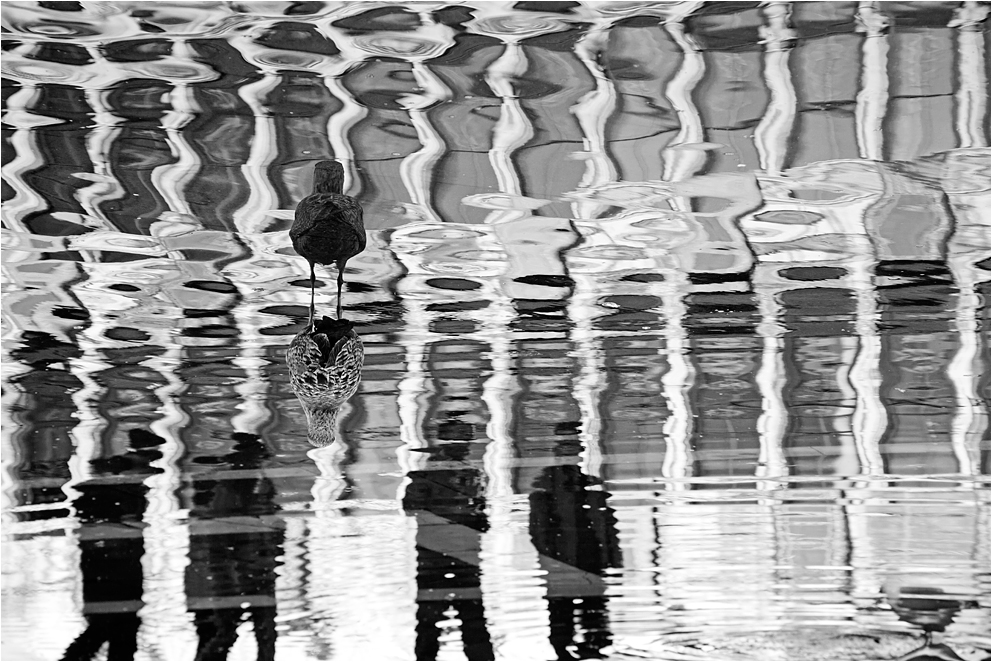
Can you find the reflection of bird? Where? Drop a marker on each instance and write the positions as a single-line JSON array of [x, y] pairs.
[[328, 228], [932, 610], [325, 366]]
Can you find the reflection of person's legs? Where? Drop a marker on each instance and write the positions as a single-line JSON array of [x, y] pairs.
[[475, 634], [562, 626], [123, 636], [264, 621], [429, 612], [120, 630], [86, 644], [595, 626], [217, 629]]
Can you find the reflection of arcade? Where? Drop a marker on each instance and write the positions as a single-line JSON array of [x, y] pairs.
[[573, 528], [234, 541], [450, 519], [112, 546]]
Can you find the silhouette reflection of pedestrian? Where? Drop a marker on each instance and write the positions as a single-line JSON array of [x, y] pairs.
[[572, 524], [450, 514], [234, 541], [112, 546]]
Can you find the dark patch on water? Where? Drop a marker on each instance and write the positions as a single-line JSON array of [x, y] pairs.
[[213, 286], [71, 313], [812, 273], [453, 327], [127, 334], [643, 278], [459, 306], [547, 280], [459, 284], [210, 331], [124, 287], [704, 278]]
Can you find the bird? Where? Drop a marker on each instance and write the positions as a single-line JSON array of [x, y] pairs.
[[325, 367], [328, 226]]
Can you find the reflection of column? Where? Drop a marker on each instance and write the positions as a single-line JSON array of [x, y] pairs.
[[397, 119], [99, 140], [828, 83], [516, 229], [86, 436], [414, 388], [874, 95], [869, 420], [683, 163], [417, 169], [771, 379], [27, 156], [677, 382], [848, 461], [592, 112], [971, 97], [171, 179], [251, 220], [640, 60], [166, 536], [967, 189], [771, 136], [513, 130]]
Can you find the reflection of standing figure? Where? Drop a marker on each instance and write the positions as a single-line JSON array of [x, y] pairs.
[[574, 525], [112, 546], [234, 542], [450, 516]]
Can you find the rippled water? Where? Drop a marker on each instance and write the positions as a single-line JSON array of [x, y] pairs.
[[675, 316]]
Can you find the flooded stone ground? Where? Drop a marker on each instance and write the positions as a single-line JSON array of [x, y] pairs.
[[675, 320]]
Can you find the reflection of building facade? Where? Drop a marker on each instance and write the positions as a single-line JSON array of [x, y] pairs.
[[569, 267]]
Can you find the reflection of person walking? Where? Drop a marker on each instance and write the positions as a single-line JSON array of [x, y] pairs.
[[230, 570], [450, 514], [112, 546], [574, 525]]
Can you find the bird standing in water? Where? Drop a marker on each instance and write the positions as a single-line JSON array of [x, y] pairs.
[[328, 228], [325, 366]]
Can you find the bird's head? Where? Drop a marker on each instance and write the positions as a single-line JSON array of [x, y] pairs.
[[321, 424], [328, 177]]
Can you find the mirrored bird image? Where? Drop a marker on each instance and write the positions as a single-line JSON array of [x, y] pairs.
[[328, 227], [325, 367]]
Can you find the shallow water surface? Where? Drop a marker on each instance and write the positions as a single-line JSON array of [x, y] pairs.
[[675, 322]]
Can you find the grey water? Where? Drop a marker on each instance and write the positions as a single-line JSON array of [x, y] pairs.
[[675, 320]]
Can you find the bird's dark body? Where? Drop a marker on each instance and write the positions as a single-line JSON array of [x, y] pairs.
[[328, 227], [325, 363]]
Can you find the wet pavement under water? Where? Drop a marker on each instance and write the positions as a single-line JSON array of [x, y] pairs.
[[675, 321]]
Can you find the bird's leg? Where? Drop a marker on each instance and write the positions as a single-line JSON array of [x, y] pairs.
[[313, 284], [341, 264]]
